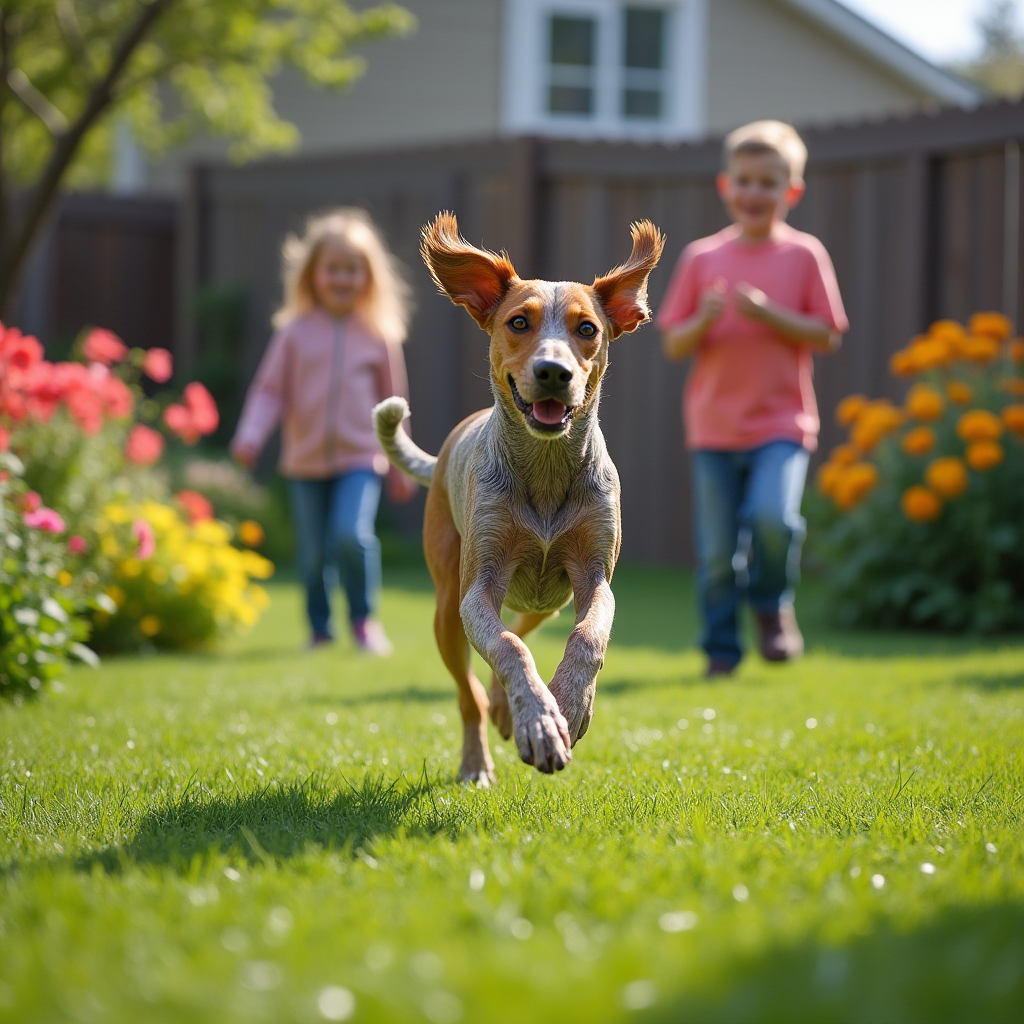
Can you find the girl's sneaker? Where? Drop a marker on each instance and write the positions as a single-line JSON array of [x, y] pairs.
[[370, 638], [319, 640]]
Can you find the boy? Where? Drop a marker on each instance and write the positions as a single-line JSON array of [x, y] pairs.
[[751, 304]]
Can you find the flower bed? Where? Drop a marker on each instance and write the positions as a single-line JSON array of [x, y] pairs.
[[925, 520], [92, 504]]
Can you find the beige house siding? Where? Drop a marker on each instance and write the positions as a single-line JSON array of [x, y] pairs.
[[766, 61], [440, 84]]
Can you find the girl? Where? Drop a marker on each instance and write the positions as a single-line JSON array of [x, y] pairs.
[[336, 354]]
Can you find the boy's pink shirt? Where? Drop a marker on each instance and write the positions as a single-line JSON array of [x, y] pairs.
[[748, 384], [321, 377]]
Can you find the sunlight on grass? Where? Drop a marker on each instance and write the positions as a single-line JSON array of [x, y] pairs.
[[269, 835]]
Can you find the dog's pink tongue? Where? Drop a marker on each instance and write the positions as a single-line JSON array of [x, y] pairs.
[[548, 412]]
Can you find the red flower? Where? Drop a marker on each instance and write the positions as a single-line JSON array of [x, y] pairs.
[[196, 504], [158, 365], [5, 440], [104, 347], [118, 398], [143, 533], [203, 408], [44, 519], [144, 445], [179, 420], [30, 502], [77, 545], [18, 352]]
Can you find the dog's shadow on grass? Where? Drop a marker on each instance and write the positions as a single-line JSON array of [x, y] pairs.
[[282, 821]]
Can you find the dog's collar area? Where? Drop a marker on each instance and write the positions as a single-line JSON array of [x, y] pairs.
[[526, 408]]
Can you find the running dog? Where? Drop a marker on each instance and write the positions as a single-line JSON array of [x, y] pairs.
[[523, 503]]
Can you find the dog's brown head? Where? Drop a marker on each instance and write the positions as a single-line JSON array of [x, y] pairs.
[[549, 339]]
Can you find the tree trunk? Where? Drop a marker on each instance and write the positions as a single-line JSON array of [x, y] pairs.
[[18, 233]]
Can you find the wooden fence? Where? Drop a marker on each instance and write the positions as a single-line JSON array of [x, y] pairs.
[[921, 216]]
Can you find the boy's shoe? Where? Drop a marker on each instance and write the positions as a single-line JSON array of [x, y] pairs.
[[781, 639], [718, 668], [370, 638], [319, 640]]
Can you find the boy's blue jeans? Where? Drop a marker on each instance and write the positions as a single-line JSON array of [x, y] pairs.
[[334, 529], [749, 534]]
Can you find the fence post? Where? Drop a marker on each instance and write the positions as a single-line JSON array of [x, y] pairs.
[[525, 245], [1011, 229], [189, 265]]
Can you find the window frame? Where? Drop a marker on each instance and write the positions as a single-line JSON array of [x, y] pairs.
[[526, 71]]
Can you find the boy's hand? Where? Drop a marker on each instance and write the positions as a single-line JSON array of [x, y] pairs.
[[751, 302], [712, 302]]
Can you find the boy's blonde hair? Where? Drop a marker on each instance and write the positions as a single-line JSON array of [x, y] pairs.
[[768, 137], [384, 308]]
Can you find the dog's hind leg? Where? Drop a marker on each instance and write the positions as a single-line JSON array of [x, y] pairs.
[[501, 713], [442, 545]]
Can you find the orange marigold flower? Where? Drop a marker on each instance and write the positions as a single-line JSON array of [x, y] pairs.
[[850, 408], [981, 348], [1013, 418], [932, 352], [982, 455], [903, 363], [919, 441], [947, 476], [924, 403], [854, 483], [979, 425], [844, 454], [959, 393], [1013, 386], [920, 505], [995, 325], [949, 330], [1015, 348], [250, 533], [875, 421]]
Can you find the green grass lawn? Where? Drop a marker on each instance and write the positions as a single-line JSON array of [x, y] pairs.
[[269, 835]]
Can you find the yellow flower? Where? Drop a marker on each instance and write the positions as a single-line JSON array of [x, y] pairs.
[[931, 352], [129, 567], [982, 455], [158, 574], [920, 505], [149, 625], [117, 595], [828, 476], [64, 578], [979, 425], [118, 514], [109, 546], [950, 331], [875, 421], [850, 408], [257, 566], [1013, 418], [947, 476], [250, 533], [994, 325], [903, 363], [854, 483], [959, 393], [209, 531], [919, 441], [924, 403]]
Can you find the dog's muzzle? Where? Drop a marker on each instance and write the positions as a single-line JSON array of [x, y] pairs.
[[546, 415]]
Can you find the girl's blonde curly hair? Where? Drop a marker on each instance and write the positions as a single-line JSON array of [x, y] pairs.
[[386, 304]]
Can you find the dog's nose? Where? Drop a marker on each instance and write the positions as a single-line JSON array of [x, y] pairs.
[[551, 373]]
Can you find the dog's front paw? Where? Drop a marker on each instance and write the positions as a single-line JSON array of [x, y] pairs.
[[542, 734], [576, 704], [501, 713]]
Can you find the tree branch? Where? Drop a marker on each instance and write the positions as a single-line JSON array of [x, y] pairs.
[[36, 102], [66, 144], [71, 30]]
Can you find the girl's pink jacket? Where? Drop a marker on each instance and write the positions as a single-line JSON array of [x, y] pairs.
[[321, 377]]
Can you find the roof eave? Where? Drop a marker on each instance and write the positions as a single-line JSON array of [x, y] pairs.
[[902, 61]]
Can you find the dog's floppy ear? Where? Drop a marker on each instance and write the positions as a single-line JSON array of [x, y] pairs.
[[623, 291], [470, 277]]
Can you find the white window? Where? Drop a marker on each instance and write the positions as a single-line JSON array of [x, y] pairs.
[[604, 68]]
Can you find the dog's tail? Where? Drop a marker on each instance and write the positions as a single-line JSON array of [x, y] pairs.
[[397, 445]]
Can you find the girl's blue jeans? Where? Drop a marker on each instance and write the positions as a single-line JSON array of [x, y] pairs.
[[334, 529], [749, 533]]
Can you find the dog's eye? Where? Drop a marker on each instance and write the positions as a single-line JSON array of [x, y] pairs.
[[519, 323], [587, 329]]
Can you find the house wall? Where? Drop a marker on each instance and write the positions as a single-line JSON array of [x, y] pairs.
[[764, 60], [442, 83]]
